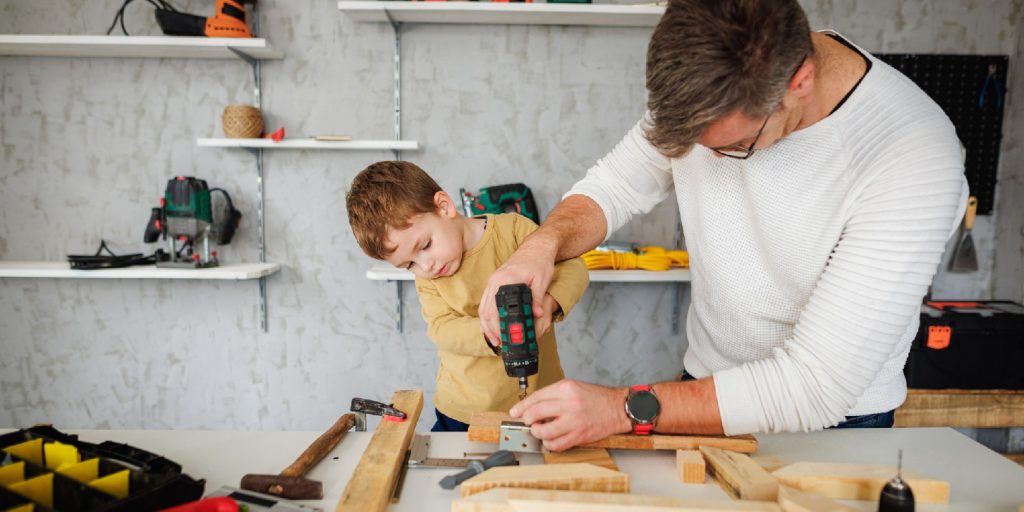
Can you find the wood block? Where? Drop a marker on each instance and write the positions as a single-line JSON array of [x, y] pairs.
[[485, 427], [740, 476], [690, 464], [538, 500], [559, 477], [596, 456], [795, 500], [962, 408], [374, 478], [858, 481]]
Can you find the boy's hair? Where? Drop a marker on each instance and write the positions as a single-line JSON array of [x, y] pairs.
[[385, 196], [708, 58]]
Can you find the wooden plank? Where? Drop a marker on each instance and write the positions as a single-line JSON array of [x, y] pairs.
[[559, 477], [795, 500], [963, 408], [858, 481], [538, 500], [1016, 457], [595, 456], [485, 427], [740, 476], [690, 464], [373, 480]]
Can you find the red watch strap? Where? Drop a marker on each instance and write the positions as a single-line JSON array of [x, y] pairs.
[[641, 429]]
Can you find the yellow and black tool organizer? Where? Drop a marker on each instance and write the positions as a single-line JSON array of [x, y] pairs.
[[43, 469]]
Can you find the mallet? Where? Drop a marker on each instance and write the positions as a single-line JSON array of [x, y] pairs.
[[290, 483]]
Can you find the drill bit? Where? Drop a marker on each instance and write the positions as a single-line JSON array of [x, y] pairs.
[[522, 388]]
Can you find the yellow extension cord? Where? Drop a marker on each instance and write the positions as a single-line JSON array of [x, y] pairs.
[[649, 258]]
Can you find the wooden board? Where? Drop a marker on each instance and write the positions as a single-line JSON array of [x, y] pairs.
[[858, 481], [373, 480], [596, 456], [795, 500], [740, 476], [559, 477], [485, 427], [690, 464], [537, 500], [961, 408]]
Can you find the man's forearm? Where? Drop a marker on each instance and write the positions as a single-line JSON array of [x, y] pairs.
[[689, 407], [575, 226]]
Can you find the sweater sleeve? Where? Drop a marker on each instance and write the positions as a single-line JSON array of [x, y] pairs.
[[860, 313], [448, 329], [571, 276], [632, 179]]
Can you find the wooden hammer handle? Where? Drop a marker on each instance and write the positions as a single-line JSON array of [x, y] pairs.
[[321, 447]]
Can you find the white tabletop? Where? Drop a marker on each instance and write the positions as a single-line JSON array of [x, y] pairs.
[[980, 478]]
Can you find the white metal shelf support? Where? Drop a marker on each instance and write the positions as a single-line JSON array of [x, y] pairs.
[[397, 28], [258, 152]]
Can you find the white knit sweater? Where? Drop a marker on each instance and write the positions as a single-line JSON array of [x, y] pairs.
[[810, 259]]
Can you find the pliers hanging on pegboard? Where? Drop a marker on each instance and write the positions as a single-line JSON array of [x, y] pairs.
[[991, 81]]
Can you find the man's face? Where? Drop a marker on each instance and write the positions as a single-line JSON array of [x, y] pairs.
[[735, 133], [430, 247]]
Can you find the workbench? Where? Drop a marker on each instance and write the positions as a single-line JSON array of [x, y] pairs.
[[980, 478]]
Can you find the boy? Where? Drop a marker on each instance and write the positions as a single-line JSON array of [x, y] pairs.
[[399, 214]]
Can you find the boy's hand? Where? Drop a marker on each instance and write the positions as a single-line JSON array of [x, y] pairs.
[[543, 323]]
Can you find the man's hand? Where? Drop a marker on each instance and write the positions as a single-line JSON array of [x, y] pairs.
[[533, 264], [569, 413]]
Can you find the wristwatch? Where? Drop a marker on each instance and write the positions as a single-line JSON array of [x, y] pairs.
[[642, 407]]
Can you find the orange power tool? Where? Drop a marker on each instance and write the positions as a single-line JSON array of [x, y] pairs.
[[228, 20]]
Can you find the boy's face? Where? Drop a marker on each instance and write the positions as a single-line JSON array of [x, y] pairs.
[[432, 245]]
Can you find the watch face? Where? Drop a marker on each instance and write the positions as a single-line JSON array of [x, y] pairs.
[[643, 406]]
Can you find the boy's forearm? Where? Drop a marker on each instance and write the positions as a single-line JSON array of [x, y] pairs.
[[575, 226], [459, 336]]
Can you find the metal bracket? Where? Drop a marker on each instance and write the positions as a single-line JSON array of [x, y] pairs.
[[419, 455], [399, 324], [516, 437]]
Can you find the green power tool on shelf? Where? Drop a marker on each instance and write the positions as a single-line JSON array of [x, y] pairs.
[[185, 216], [514, 197]]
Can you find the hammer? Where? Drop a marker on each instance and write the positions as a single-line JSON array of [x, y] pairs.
[[290, 484]]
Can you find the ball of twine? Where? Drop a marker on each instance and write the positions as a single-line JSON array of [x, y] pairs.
[[242, 122]]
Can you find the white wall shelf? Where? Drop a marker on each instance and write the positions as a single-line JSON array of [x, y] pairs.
[[136, 46], [61, 269], [676, 275], [393, 145], [605, 15]]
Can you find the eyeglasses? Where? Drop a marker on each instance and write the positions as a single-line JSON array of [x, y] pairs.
[[740, 153]]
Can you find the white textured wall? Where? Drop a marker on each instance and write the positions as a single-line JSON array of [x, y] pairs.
[[88, 144]]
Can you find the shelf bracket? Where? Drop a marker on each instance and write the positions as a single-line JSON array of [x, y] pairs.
[[399, 324], [397, 26], [678, 288]]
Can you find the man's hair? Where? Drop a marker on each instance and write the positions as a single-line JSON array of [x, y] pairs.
[[708, 58], [386, 195]]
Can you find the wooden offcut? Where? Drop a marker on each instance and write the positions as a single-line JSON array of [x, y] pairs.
[[962, 408], [595, 456], [559, 477], [690, 464], [739, 475], [374, 478], [795, 500], [858, 481], [537, 500], [485, 427]]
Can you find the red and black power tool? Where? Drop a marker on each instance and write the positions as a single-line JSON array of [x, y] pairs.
[[228, 20]]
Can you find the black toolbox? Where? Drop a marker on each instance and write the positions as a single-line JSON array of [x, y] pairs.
[[143, 480], [968, 345]]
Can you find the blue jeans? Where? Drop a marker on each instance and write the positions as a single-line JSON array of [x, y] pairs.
[[877, 420], [446, 424]]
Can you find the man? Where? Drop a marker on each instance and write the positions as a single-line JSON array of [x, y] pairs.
[[817, 187]]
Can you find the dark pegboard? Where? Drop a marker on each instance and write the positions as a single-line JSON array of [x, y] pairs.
[[955, 82]]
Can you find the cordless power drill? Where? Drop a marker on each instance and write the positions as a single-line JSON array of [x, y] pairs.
[[518, 337]]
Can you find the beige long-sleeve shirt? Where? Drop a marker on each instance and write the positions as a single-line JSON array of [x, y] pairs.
[[471, 376]]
